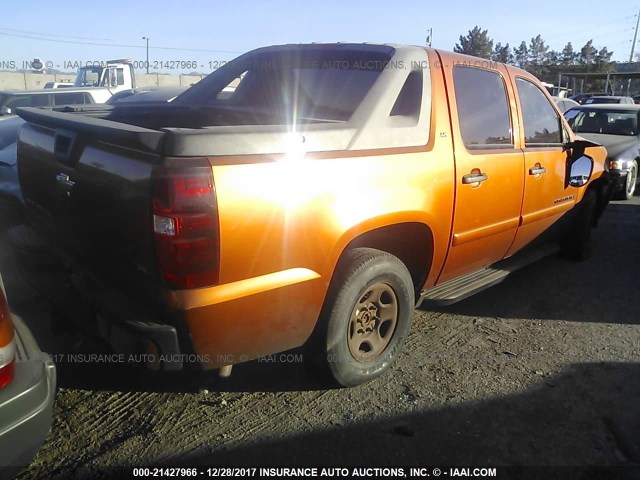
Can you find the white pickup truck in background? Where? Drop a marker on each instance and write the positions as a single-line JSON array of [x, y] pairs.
[[114, 77]]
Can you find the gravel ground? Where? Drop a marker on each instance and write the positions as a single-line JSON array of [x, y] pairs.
[[542, 369]]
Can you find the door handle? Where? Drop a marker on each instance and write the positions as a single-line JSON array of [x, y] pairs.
[[537, 170], [474, 178]]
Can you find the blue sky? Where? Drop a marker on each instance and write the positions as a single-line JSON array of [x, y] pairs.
[[223, 29]]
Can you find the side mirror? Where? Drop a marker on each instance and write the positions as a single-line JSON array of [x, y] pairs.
[[580, 172], [5, 111]]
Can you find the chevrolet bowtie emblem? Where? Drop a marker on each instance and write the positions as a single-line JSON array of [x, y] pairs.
[[65, 184]]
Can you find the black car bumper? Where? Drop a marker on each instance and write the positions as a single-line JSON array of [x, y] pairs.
[[101, 312]]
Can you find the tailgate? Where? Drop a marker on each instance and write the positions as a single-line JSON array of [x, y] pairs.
[[87, 189]]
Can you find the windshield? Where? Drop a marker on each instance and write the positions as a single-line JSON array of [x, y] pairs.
[[610, 122], [88, 77], [324, 84]]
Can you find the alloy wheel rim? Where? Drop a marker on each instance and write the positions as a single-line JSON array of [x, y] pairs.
[[631, 181], [373, 322]]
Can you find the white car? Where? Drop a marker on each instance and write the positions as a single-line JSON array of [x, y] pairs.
[[565, 104]]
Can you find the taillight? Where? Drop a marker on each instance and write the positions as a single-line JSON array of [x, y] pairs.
[[7, 351], [185, 223]]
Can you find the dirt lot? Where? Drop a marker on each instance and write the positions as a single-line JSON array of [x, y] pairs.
[[542, 369]]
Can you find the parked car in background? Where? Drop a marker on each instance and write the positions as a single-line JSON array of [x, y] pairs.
[[27, 392], [50, 97], [565, 104], [581, 97], [608, 99], [615, 127], [636, 99]]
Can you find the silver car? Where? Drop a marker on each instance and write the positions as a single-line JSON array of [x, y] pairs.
[[27, 392]]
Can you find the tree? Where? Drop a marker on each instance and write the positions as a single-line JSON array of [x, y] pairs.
[[552, 58], [568, 56], [502, 54], [588, 54], [603, 58], [476, 43], [521, 55], [537, 51]]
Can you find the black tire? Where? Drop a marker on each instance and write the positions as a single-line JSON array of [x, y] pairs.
[[577, 243], [629, 186], [366, 317]]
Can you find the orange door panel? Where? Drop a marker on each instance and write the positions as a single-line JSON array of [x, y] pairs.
[[489, 164], [487, 213], [546, 197]]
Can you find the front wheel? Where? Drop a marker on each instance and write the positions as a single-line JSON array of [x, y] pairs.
[[577, 243], [366, 317], [630, 185]]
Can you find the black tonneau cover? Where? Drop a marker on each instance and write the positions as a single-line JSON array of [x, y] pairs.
[[121, 133]]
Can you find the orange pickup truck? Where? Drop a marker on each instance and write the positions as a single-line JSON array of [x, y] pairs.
[[301, 195]]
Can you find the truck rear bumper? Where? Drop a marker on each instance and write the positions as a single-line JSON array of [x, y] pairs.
[[101, 312], [26, 404]]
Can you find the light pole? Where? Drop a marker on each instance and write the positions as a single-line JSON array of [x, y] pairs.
[[147, 39]]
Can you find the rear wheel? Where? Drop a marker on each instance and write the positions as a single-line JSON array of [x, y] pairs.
[[366, 317]]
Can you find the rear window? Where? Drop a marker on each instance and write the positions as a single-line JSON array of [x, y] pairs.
[[69, 98], [307, 84], [120, 76], [408, 102], [483, 111]]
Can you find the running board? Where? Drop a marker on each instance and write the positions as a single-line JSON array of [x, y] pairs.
[[457, 289]]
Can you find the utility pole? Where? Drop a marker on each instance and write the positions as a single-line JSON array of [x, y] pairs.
[[147, 39], [635, 38], [633, 48], [430, 37]]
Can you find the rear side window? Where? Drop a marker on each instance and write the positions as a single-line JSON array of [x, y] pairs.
[[40, 100], [120, 76], [408, 101], [483, 110], [541, 122], [69, 98]]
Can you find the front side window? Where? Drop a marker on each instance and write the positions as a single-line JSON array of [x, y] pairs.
[[541, 122], [88, 77], [483, 111]]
